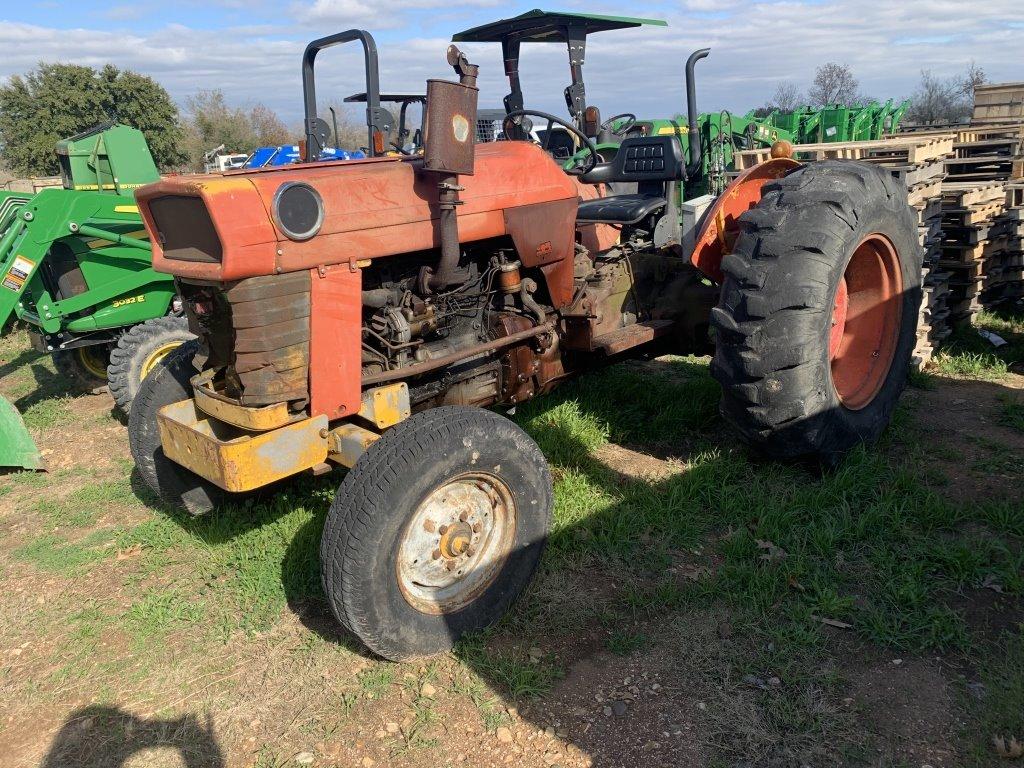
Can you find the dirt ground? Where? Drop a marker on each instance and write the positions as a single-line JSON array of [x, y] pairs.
[[131, 637]]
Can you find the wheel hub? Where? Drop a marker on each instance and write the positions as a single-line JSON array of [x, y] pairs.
[[455, 543], [866, 319], [156, 357]]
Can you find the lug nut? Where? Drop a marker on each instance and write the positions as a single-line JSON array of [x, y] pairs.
[[436, 554], [464, 516], [443, 529], [477, 527]]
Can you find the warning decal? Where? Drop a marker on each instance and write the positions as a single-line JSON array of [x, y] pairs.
[[18, 273]]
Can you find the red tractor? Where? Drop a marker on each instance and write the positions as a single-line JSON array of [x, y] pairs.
[[365, 313]]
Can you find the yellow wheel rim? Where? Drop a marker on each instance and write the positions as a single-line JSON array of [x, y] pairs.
[[157, 355], [92, 362]]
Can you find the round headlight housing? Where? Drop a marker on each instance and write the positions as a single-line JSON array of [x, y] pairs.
[[298, 210]]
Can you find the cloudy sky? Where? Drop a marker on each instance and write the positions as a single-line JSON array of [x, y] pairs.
[[251, 48]]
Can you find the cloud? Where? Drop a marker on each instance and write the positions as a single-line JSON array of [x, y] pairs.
[[640, 70]]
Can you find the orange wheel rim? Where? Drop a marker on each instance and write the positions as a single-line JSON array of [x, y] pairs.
[[866, 316]]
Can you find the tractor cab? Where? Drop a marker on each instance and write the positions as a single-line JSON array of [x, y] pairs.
[[570, 29]]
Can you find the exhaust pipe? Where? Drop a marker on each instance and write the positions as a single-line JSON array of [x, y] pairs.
[[449, 151], [696, 152]]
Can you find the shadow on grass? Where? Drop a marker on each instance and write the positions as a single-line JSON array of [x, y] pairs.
[[99, 736]]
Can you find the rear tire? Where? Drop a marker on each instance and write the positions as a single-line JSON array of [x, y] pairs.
[[84, 367], [176, 486], [818, 312], [385, 576], [137, 353]]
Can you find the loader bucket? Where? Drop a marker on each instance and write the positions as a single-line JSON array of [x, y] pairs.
[[17, 448]]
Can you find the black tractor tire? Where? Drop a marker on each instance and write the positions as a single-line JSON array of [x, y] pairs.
[[81, 366], [781, 381], [373, 519], [176, 486], [138, 351]]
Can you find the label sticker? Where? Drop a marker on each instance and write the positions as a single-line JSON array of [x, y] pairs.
[[12, 283], [830, 131], [21, 267]]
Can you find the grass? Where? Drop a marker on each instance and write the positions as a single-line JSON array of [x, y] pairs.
[[878, 545]]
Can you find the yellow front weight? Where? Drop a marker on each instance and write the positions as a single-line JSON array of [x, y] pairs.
[[234, 459]]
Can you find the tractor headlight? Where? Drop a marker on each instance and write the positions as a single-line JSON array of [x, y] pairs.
[[298, 210]]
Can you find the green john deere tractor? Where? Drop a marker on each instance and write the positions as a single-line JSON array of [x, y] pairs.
[[75, 267], [719, 134]]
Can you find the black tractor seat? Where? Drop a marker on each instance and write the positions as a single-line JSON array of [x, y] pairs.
[[651, 162], [619, 209]]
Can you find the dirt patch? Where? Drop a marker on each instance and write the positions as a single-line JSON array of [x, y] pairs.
[[908, 705], [966, 439]]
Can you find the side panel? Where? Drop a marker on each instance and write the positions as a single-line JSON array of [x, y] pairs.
[[544, 235], [335, 364]]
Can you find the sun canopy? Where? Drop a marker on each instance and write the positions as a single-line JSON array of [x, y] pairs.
[[538, 26]]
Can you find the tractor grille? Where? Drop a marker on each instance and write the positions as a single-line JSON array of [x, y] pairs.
[[185, 229], [257, 332], [270, 317]]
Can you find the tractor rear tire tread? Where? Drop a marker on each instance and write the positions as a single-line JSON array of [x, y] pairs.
[[136, 345], [374, 500], [771, 355]]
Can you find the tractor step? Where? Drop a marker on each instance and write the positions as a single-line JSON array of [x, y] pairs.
[[631, 336]]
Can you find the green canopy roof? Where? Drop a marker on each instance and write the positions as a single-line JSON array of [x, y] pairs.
[[538, 26]]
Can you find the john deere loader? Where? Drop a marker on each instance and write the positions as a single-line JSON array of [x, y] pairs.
[[75, 268]]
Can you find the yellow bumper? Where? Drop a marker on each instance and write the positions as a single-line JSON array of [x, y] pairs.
[[235, 459]]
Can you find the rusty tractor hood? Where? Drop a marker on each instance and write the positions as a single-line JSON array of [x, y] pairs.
[[220, 227]]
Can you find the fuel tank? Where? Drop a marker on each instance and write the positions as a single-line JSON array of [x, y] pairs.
[[222, 227]]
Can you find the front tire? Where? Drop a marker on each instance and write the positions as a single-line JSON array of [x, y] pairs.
[[84, 367], [435, 531], [139, 351], [176, 486], [818, 312]]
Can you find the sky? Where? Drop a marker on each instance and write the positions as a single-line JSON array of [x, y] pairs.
[[251, 49]]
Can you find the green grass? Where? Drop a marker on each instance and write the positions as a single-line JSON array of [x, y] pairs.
[[1012, 411], [55, 554], [968, 355], [1000, 710]]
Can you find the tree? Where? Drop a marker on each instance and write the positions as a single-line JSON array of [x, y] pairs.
[[787, 97], [833, 84], [55, 101], [212, 122], [950, 100]]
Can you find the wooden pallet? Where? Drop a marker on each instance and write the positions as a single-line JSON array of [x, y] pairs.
[[904, 149], [963, 194]]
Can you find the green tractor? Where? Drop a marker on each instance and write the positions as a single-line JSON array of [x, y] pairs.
[[75, 267], [718, 134]]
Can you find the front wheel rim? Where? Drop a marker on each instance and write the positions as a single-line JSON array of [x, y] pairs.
[[866, 318], [94, 364], [156, 357], [456, 543]]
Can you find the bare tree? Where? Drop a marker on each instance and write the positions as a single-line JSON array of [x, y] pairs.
[[833, 84], [787, 97], [951, 100]]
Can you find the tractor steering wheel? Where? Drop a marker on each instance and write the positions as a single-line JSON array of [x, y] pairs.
[[630, 122], [514, 130]]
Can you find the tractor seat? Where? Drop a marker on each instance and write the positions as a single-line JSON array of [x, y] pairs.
[[651, 162], [618, 209]]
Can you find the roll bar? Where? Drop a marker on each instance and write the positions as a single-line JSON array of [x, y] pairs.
[[378, 120]]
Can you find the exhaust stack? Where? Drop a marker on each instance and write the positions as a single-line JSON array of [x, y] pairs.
[[696, 151], [449, 148]]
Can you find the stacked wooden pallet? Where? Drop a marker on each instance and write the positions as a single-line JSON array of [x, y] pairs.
[[909, 149], [1004, 253], [969, 209], [988, 154]]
